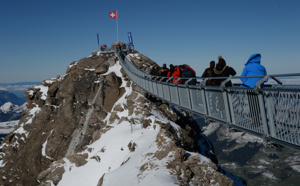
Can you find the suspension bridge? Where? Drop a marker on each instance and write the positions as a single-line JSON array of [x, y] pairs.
[[272, 112]]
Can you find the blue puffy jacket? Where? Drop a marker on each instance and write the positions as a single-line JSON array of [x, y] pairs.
[[253, 68]]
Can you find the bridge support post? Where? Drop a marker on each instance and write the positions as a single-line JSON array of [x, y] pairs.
[[226, 105], [270, 118], [263, 113], [231, 109], [204, 98]]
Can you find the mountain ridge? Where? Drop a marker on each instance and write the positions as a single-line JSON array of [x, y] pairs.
[[95, 121]]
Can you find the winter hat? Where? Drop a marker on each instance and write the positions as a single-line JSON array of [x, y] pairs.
[[254, 58], [221, 60]]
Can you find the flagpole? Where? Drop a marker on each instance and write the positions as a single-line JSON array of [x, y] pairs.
[[98, 41], [117, 27]]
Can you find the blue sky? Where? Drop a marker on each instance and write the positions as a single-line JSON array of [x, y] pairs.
[[40, 38]]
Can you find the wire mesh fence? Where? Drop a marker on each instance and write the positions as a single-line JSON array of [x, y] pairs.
[[272, 112]]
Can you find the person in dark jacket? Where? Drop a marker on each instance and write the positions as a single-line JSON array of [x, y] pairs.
[[163, 71], [190, 68], [222, 70], [187, 73], [209, 73], [253, 68]]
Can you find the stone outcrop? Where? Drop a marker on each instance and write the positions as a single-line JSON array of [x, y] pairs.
[[67, 114]]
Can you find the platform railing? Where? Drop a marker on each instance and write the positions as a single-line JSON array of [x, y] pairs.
[[272, 112]]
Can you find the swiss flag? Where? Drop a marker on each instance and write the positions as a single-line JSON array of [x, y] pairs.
[[113, 14]]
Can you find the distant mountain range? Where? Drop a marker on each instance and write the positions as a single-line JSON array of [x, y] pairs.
[[10, 111], [6, 96], [13, 101], [17, 88]]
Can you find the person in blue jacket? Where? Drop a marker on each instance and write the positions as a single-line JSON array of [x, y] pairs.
[[253, 68]]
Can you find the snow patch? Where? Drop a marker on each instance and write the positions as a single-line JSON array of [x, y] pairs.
[[44, 147], [269, 175], [6, 107], [209, 129], [21, 130], [70, 66], [43, 90], [90, 69]]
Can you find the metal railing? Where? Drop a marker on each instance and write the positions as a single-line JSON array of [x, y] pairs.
[[272, 112]]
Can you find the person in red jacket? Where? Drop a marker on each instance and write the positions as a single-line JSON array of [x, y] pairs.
[[170, 71], [176, 73]]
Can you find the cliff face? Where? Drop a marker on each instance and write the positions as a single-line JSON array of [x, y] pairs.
[[94, 125]]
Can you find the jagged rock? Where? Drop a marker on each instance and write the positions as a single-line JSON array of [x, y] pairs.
[[145, 122], [132, 146], [167, 111], [94, 55], [96, 135], [118, 108], [78, 160], [123, 119], [102, 69], [53, 173]]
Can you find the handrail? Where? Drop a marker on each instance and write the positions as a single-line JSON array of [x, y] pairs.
[[272, 113]]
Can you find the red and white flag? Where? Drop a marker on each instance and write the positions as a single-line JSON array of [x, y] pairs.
[[113, 14]]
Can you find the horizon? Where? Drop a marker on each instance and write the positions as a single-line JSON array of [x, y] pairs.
[[41, 38]]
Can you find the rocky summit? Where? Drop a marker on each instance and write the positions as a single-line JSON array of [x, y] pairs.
[[93, 126]]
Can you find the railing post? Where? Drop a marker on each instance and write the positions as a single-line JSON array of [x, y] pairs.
[[155, 79], [168, 81], [261, 81], [152, 84], [226, 103], [263, 113], [270, 118], [188, 93], [163, 92], [178, 97], [231, 109], [203, 93]]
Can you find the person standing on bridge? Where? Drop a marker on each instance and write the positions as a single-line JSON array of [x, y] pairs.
[[187, 66], [175, 73], [253, 68], [163, 71], [186, 73], [222, 70], [209, 73]]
